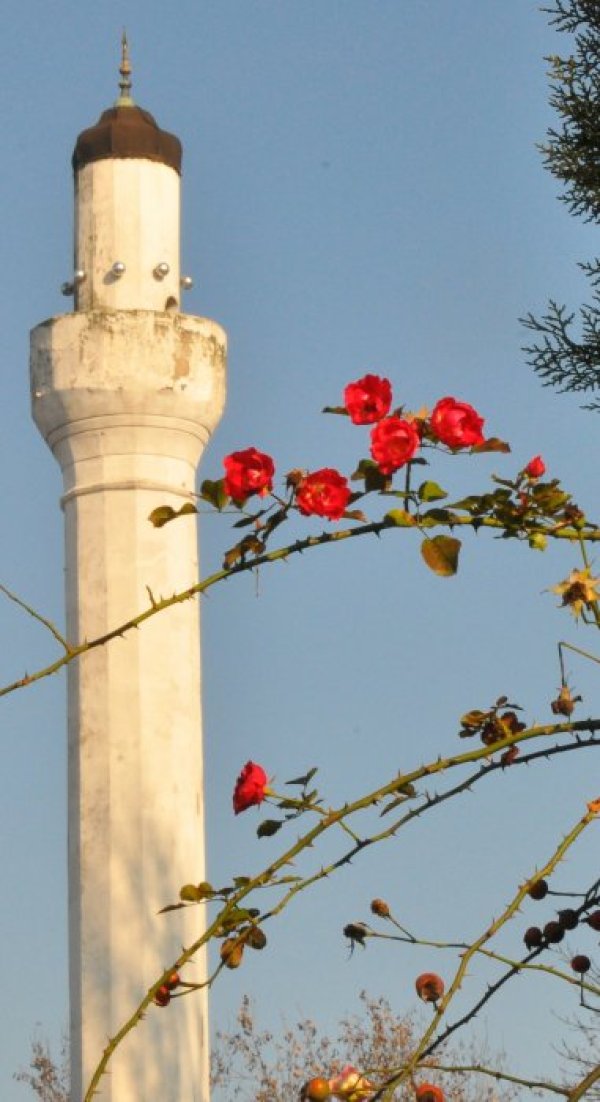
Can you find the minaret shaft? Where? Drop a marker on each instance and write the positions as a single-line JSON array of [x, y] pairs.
[[126, 391]]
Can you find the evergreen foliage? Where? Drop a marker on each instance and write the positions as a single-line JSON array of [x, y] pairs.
[[560, 357]]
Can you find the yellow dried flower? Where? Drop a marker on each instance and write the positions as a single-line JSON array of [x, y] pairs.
[[578, 591]]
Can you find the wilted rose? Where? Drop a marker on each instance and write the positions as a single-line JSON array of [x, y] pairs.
[[248, 472], [456, 424], [251, 787], [231, 952], [368, 399], [578, 591], [323, 493], [393, 442]]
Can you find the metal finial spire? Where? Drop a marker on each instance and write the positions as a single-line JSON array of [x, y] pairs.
[[125, 99]]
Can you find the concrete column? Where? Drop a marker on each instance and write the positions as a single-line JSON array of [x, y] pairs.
[[126, 399]]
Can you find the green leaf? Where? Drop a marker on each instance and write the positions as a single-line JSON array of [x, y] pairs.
[[441, 555], [369, 473], [341, 410], [439, 516], [235, 919], [171, 907], [538, 541], [241, 881], [268, 827], [214, 493], [399, 518], [431, 491], [306, 779], [245, 522], [190, 893], [162, 515]]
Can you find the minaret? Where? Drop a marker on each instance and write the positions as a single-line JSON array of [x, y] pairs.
[[126, 391]]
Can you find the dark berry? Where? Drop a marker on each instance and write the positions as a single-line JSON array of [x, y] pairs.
[[162, 996], [553, 932], [593, 920], [581, 963], [538, 889], [533, 937], [568, 919]]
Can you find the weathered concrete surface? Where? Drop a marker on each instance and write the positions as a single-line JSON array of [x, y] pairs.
[[126, 401]]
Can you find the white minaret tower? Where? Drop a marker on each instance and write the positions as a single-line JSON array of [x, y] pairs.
[[126, 391]]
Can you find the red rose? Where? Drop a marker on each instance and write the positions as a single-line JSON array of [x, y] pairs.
[[536, 467], [251, 787], [428, 1093], [368, 399], [393, 443], [456, 424], [248, 472], [323, 493], [430, 987]]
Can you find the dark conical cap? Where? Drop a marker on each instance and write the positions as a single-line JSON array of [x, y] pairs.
[[126, 130]]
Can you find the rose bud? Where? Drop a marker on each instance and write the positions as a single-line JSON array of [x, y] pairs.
[[231, 952], [568, 919], [537, 890], [581, 963], [430, 987], [251, 787], [593, 920], [428, 1093], [380, 908], [536, 467], [553, 932], [162, 997], [315, 1090], [533, 937]]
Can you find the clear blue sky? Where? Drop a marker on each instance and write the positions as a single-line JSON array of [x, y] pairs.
[[362, 193]]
